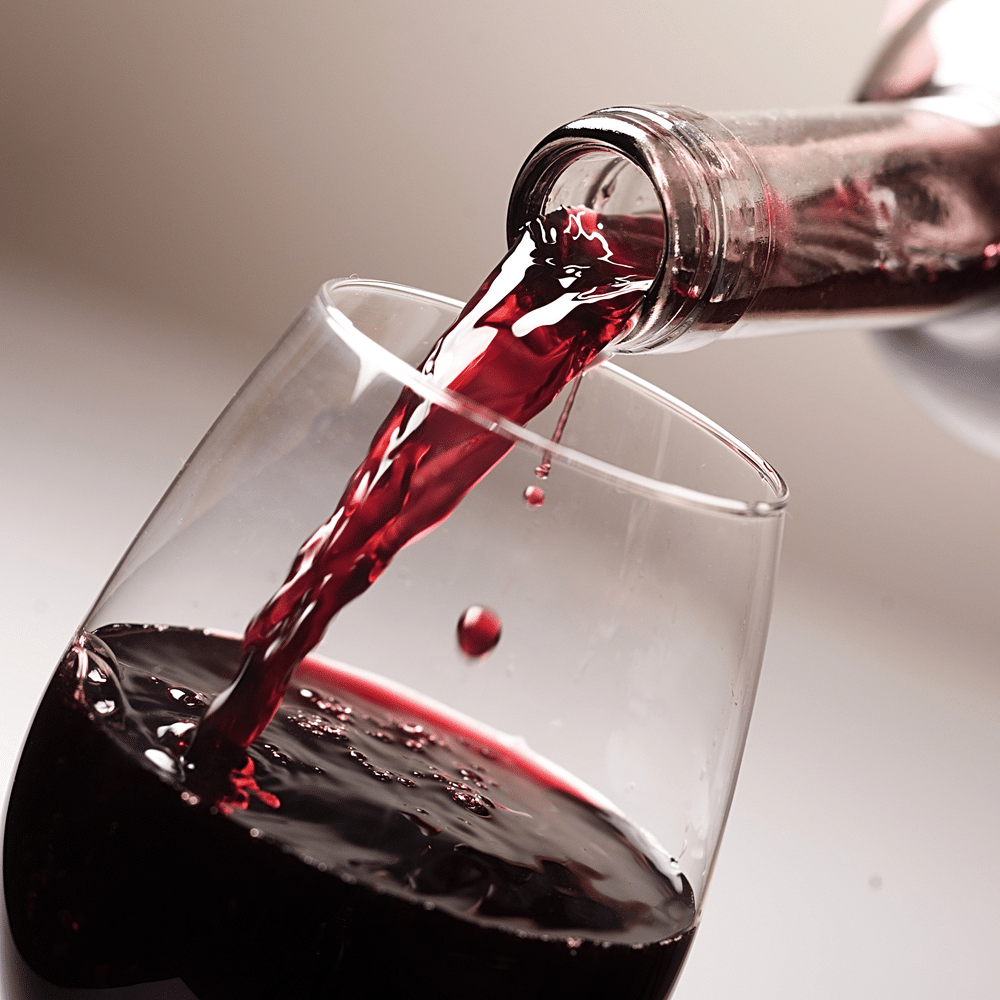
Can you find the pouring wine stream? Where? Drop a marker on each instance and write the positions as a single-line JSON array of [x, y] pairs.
[[568, 289]]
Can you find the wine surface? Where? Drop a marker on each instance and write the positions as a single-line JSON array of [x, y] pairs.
[[371, 845]]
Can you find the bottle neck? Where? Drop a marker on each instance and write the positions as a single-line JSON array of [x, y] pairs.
[[672, 163], [880, 214], [873, 214]]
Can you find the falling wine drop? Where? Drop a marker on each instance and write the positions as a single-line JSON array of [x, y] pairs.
[[534, 496], [478, 630]]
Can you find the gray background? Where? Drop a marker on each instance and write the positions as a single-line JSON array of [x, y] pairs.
[[176, 179]]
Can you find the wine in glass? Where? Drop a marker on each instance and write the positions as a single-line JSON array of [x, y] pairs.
[[503, 770]]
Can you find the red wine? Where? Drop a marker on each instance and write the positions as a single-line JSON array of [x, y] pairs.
[[370, 845], [568, 289], [534, 496], [478, 630]]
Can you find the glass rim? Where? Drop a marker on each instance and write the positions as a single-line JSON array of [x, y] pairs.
[[399, 369]]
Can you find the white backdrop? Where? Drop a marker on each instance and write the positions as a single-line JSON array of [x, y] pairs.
[[177, 179]]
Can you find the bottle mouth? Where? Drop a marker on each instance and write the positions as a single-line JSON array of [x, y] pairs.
[[690, 170]]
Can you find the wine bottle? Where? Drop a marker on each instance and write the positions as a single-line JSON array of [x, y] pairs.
[[883, 213]]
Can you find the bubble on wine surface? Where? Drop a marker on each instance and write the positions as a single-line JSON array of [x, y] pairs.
[[534, 496], [478, 630]]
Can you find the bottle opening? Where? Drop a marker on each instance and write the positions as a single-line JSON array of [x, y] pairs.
[[674, 171], [606, 182]]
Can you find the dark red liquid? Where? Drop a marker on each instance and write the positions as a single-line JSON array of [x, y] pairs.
[[478, 630], [367, 847], [534, 496], [567, 290]]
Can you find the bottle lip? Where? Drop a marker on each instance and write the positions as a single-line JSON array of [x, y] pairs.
[[695, 166]]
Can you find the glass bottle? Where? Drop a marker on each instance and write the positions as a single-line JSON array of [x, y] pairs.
[[883, 214]]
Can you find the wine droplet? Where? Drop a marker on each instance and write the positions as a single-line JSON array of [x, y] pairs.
[[534, 496], [478, 630]]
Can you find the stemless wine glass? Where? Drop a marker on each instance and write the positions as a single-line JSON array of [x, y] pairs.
[[629, 568]]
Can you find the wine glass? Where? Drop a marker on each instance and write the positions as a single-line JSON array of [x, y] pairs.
[[507, 767]]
